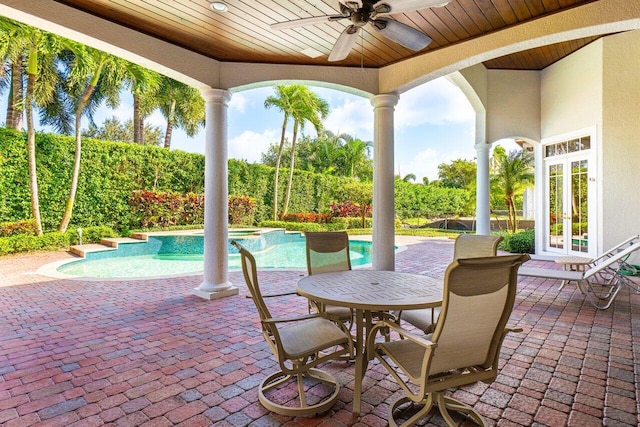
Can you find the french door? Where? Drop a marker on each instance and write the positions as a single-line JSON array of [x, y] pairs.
[[568, 190]]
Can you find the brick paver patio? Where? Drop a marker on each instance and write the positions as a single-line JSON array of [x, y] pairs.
[[129, 353]]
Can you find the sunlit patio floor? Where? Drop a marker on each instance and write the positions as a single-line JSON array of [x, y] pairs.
[[130, 353]]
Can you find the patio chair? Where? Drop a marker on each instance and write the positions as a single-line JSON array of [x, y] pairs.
[[465, 246], [464, 348], [328, 252], [299, 344], [604, 278]]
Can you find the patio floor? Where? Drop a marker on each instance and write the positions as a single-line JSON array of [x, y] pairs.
[[130, 353]]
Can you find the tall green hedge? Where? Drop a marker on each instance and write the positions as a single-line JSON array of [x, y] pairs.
[[111, 171]]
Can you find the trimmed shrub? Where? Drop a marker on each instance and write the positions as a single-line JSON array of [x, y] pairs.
[[193, 209], [306, 217], [294, 226], [242, 210], [95, 234], [522, 242], [19, 227]]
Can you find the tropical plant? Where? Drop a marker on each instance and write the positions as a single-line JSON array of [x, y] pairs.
[[283, 100], [182, 106], [144, 85], [309, 107], [299, 103], [510, 174], [356, 155], [41, 50], [114, 130], [93, 76], [12, 52], [459, 173]]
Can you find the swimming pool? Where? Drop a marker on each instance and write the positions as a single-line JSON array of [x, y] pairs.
[[174, 255]]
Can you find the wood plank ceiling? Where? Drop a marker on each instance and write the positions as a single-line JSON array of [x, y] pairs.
[[242, 34]]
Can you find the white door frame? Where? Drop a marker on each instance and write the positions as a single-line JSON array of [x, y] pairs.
[[542, 201]]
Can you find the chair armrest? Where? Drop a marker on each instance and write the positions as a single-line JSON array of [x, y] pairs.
[[274, 320], [275, 295], [401, 331]]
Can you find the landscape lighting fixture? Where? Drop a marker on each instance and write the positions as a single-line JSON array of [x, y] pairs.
[[218, 6]]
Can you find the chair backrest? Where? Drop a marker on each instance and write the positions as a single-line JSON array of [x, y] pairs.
[[479, 294], [249, 269], [327, 252], [475, 245], [614, 262]]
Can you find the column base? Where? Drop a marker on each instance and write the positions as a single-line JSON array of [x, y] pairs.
[[211, 295]]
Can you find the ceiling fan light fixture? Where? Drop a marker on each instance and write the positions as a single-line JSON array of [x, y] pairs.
[[218, 6]]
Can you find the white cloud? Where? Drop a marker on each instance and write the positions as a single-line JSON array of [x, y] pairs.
[[433, 103], [239, 102], [354, 117], [250, 145]]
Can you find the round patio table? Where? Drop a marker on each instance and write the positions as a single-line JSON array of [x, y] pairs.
[[369, 291]]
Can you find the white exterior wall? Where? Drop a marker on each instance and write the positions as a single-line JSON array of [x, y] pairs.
[[599, 85], [513, 104], [571, 92], [620, 155]]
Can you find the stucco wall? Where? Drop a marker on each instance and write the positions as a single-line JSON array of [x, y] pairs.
[[513, 104], [571, 92], [600, 85], [621, 137]]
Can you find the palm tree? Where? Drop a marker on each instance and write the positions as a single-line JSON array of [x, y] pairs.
[[13, 47], [309, 107], [94, 76], [144, 85], [355, 155], [41, 50], [511, 173], [283, 101], [182, 106]]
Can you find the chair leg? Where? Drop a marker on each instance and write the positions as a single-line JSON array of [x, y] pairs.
[[445, 403], [427, 404], [303, 409]]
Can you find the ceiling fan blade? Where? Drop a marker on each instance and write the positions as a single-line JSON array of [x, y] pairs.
[[402, 34], [304, 21], [401, 6], [344, 44]]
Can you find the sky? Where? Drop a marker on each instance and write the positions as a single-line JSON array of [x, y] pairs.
[[434, 124]]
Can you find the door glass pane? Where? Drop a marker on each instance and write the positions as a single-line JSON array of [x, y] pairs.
[[579, 182], [556, 237]]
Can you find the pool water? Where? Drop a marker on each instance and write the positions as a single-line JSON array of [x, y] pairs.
[[183, 254]]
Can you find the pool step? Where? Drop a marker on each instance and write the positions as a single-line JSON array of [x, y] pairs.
[[114, 241], [106, 244]]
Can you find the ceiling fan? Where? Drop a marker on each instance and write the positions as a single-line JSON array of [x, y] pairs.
[[374, 12]]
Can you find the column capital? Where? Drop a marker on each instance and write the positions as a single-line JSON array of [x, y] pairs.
[[216, 95], [384, 100]]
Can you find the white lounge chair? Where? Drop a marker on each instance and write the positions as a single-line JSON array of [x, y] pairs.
[[602, 281]]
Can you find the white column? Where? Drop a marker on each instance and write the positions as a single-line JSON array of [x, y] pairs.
[[383, 192], [483, 218], [216, 256]]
